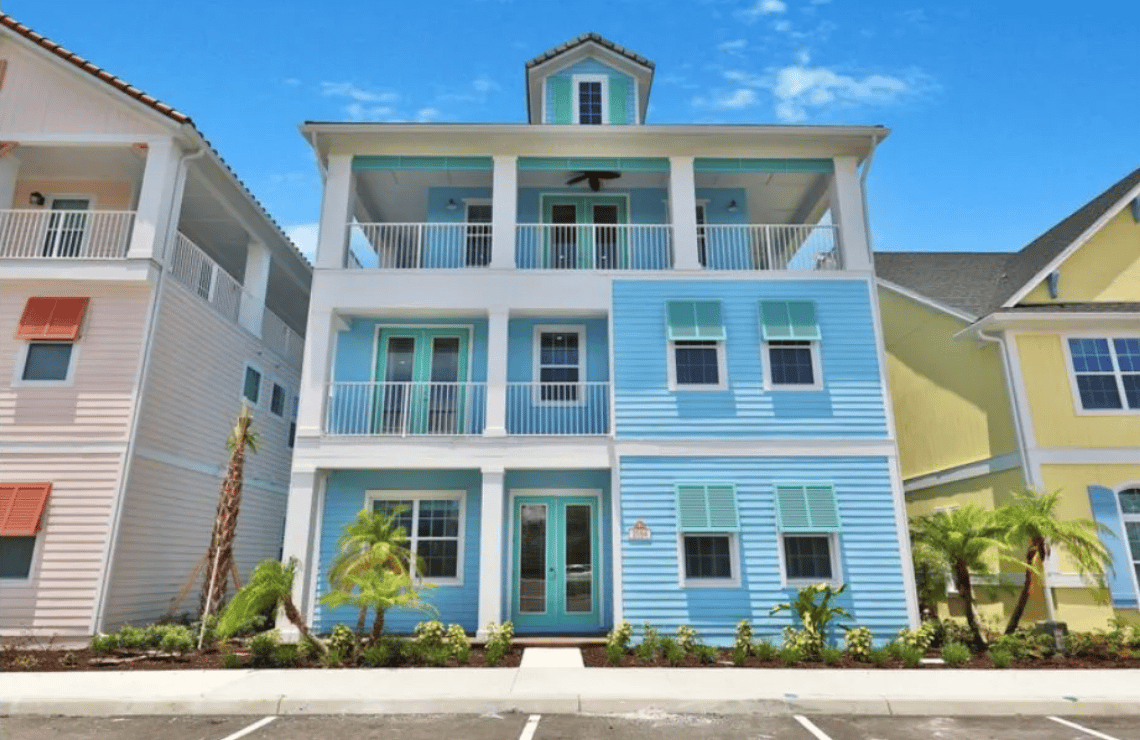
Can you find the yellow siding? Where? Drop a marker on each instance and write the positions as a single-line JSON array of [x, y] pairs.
[[986, 491], [950, 400], [1053, 408], [1105, 268]]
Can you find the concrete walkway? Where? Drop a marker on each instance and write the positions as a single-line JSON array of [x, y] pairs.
[[573, 690]]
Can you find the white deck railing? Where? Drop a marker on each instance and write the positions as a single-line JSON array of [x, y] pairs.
[[51, 234], [426, 245], [594, 246], [558, 408], [405, 409], [768, 247], [280, 337], [191, 266]]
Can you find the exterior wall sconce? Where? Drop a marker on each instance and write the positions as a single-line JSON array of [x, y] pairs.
[[732, 207], [36, 198], [452, 205]]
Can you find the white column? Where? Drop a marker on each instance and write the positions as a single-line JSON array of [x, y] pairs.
[[497, 321], [683, 213], [156, 194], [504, 211], [9, 168], [491, 550], [320, 342], [302, 515], [254, 287], [847, 214], [336, 212]]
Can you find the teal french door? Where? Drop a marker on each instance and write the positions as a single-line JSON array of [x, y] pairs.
[[555, 569], [584, 233], [421, 374]]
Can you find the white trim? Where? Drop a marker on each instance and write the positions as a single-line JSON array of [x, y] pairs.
[[926, 301], [1134, 557], [965, 471], [477, 202], [1086, 455], [1023, 417], [576, 94], [1117, 374], [536, 362], [617, 541], [671, 365], [469, 328], [261, 380], [460, 495], [832, 550], [22, 359], [320, 490], [686, 581], [816, 368], [37, 549]]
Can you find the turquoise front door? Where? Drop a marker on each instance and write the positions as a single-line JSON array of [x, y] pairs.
[[586, 233], [555, 566]]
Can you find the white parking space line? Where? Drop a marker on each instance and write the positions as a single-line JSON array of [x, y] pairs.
[[810, 727], [1083, 729], [531, 727], [252, 728]]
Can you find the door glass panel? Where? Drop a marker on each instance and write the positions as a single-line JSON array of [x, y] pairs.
[[532, 558], [66, 223], [478, 235], [605, 237], [398, 370], [564, 239], [443, 403], [579, 554]]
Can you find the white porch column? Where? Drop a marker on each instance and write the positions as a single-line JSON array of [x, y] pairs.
[[491, 550], [683, 213], [847, 214], [320, 341], [302, 518], [254, 287], [496, 425], [9, 168], [504, 211], [336, 212], [156, 194]]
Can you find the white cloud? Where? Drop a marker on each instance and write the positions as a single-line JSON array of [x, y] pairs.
[[358, 94], [361, 112], [803, 56], [782, 26], [476, 92], [740, 98], [734, 46], [799, 88], [427, 114], [763, 7], [746, 78], [305, 237]]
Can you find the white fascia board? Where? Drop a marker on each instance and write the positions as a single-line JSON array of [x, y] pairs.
[[1053, 322], [117, 270], [926, 301], [965, 471]]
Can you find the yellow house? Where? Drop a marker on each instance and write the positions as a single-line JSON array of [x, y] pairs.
[[1023, 368]]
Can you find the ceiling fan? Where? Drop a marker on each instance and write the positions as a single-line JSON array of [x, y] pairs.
[[594, 178]]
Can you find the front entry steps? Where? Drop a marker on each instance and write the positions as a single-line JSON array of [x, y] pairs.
[[538, 657]]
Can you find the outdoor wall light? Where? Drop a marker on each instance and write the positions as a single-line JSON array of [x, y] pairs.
[[452, 205], [36, 198], [732, 207]]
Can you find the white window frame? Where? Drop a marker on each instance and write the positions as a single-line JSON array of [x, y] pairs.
[[37, 551], [1117, 373], [536, 369], [816, 368], [371, 496], [260, 385], [284, 398], [685, 581], [833, 550], [576, 95], [22, 360], [722, 367], [1134, 557]]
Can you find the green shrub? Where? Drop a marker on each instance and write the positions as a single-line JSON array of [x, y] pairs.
[[493, 654], [764, 649], [739, 655], [792, 655], [1000, 658], [706, 654], [671, 651], [955, 654], [210, 637], [499, 642], [68, 660], [332, 659], [920, 638], [176, 639], [263, 647], [621, 636], [431, 633], [132, 638], [743, 636], [458, 643], [614, 653], [877, 657], [1079, 645], [104, 643], [911, 656], [647, 648], [343, 640], [377, 655], [831, 656], [686, 638], [307, 648], [230, 660], [950, 630], [813, 606], [859, 644], [807, 642], [895, 648], [285, 656]]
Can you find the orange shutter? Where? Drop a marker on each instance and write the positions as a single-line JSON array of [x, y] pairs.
[[21, 507], [52, 318]]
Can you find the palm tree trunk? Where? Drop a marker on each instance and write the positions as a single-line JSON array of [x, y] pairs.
[[1023, 597], [962, 582], [378, 626], [360, 620], [294, 616], [221, 552]]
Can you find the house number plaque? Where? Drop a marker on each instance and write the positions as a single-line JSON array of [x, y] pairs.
[[639, 531]]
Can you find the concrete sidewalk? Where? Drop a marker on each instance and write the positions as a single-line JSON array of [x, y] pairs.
[[573, 690]]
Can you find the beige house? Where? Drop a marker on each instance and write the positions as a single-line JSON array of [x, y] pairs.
[[144, 294]]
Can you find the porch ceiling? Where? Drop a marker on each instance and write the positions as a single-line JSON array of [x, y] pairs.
[[118, 163], [400, 196], [777, 198]]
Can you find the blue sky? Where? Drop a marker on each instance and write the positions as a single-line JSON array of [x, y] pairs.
[[1006, 115]]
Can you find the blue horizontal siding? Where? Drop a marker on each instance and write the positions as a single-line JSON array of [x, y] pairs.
[[869, 550], [849, 405], [345, 497]]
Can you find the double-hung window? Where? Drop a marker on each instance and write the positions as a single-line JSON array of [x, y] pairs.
[[707, 528], [560, 364], [1106, 373], [696, 345], [21, 511], [51, 329], [807, 518], [433, 524], [591, 99], [251, 385], [791, 345], [277, 400]]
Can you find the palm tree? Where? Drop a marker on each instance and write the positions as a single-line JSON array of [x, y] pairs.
[[270, 586], [380, 590], [1031, 519], [374, 540], [961, 540]]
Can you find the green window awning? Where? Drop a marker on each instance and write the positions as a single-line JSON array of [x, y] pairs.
[[573, 164], [707, 507], [789, 320], [807, 507], [695, 321], [702, 164], [422, 163]]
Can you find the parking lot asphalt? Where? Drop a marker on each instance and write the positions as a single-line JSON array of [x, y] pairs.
[[633, 726]]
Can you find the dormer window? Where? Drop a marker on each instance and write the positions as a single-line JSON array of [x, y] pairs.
[[591, 99]]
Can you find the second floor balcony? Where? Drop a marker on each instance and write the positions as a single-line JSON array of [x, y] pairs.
[[66, 231]]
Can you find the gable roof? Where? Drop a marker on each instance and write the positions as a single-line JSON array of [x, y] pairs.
[[584, 38]]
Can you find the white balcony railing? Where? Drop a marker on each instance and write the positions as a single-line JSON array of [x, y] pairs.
[[594, 246], [768, 247], [280, 337], [426, 246], [558, 408], [59, 234], [405, 409], [190, 266]]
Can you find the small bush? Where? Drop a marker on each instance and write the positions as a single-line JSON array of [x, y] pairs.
[[68, 660], [431, 633], [877, 657], [493, 654], [949, 630], [1000, 658], [621, 636], [920, 638], [671, 651], [614, 653], [686, 638], [104, 643], [911, 656], [343, 640], [285, 656], [26, 662], [132, 638], [263, 647], [831, 656], [859, 644], [792, 655], [176, 639], [307, 648], [499, 641], [706, 654], [895, 649], [210, 637], [230, 660], [377, 655], [955, 654], [809, 643], [647, 648], [332, 659], [764, 649], [744, 636], [739, 655], [458, 643]]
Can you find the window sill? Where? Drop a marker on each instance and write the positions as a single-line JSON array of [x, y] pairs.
[[800, 388], [802, 582], [697, 388], [710, 583]]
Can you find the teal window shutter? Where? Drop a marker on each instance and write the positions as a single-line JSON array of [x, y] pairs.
[[619, 100], [707, 507], [695, 321], [789, 320], [806, 508], [1119, 576], [560, 92]]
